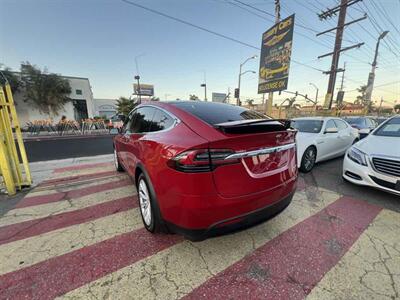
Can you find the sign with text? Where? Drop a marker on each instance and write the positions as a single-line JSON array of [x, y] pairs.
[[218, 97], [276, 49], [145, 89]]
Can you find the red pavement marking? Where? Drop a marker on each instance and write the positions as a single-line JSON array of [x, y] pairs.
[[23, 230], [290, 265], [43, 199], [59, 275], [76, 178], [82, 166]]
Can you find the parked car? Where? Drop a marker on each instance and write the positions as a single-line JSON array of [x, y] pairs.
[[321, 138], [379, 120], [202, 168], [364, 125], [375, 160]]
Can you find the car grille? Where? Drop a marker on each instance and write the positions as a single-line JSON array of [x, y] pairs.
[[387, 166]]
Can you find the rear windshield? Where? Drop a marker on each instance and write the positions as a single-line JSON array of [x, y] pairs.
[[390, 128], [311, 126], [215, 113], [355, 121]]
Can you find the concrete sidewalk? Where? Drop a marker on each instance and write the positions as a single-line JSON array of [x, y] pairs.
[[43, 170]]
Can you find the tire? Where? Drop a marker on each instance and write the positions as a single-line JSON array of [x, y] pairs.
[[117, 164], [148, 205], [308, 159]]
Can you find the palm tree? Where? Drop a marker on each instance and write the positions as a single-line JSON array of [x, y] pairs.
[[250, 102], [193, 97], [125, 105]]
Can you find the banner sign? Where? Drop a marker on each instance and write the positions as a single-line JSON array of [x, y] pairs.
[[145, 89], [276, 49], [218, 97]]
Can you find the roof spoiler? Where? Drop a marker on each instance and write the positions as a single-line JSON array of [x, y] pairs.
[[254, 126]]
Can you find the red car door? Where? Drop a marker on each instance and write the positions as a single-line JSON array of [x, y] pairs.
[[135, 146]]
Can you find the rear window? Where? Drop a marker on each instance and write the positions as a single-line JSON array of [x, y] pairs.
[[215, 113], [356, 121], [310, 126]]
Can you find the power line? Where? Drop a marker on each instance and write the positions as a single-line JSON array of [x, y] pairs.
[[206, 30]]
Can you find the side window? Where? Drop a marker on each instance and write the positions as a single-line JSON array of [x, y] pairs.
[[128, 123], [161, 121], [340, 125], [370, 123], [141, 120], [330, 124]]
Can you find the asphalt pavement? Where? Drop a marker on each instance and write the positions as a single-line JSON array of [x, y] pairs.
[[62, 147], [328, 175]]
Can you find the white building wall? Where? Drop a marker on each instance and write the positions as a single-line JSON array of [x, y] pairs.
[[106, 107], [27, 112]]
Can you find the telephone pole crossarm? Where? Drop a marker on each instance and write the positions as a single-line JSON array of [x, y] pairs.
[[331, 12], [344, 25], [342, 50]]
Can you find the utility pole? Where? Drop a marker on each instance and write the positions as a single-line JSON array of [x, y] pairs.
[[344, 69], [380, 107], [371, 76], [342, 9], [268, 103], [204, 85], [137, 77]]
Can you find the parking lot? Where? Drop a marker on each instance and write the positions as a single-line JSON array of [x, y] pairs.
[[78, 235]]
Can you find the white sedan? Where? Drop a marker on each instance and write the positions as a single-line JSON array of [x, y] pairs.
[[321, 138], [375, 160]]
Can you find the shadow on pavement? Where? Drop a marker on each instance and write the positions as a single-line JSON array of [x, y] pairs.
[[328, 175]]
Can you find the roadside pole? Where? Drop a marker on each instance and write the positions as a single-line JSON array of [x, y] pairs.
[[268, 103]]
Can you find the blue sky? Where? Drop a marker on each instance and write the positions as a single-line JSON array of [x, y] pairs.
[[99, 39]]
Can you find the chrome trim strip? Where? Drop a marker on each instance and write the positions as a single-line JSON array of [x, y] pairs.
[[261, 151]]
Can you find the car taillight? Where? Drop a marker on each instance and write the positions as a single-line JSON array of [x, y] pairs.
[[201, 160]]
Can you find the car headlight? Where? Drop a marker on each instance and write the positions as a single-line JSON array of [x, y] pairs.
[[357, 156]]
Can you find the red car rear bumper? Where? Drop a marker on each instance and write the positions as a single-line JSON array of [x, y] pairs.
[[199, 217]]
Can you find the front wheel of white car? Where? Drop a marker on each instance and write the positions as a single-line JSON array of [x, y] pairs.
[[308, 159]]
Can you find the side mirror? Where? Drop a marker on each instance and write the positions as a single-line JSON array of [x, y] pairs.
[[122, 118], [364, 131], [331, 130]]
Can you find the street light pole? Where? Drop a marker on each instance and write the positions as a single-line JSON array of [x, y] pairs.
[[240, 75], [371, 76], [137, 77], [204, 85]]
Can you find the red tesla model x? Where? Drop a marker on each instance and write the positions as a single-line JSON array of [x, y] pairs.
[[204, 168]]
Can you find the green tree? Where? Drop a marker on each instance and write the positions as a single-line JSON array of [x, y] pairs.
[[12, 78], [47, 91], [125, 105], [397, 108], [361, 98], [193, 97], [250, 102]]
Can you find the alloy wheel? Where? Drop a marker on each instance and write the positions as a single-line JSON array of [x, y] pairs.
[[144, 199], [116, 159], [309, 159]]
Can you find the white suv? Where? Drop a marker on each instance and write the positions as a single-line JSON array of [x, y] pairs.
[[375, 160]]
